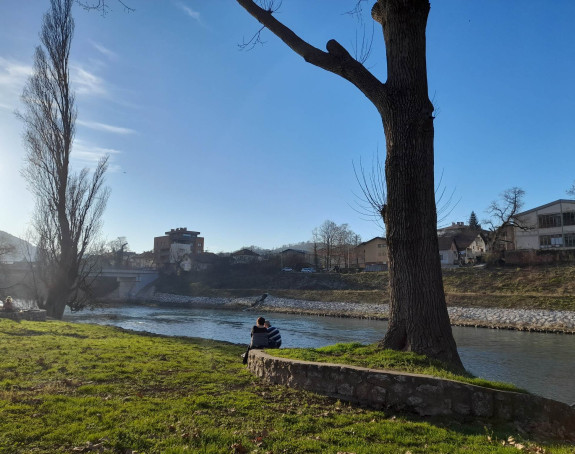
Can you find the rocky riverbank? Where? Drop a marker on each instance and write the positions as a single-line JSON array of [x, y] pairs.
[[518, 319]]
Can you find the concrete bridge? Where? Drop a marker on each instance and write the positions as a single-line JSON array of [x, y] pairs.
[[131, 281]]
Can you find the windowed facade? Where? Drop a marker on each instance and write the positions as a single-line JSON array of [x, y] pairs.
[[549, 241], [569, 218], [550, 226], [570, 240], [554, 220], [549, 220]]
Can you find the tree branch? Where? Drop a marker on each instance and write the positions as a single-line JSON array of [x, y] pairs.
[[336, 60], [101, 5]]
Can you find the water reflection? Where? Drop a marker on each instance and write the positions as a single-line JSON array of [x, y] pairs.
[[539, 362]]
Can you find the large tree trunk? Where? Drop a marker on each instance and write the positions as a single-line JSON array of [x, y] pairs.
[[419, 321], [57, 297]]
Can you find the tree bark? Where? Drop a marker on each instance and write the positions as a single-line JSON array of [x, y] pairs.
[[419, 321]]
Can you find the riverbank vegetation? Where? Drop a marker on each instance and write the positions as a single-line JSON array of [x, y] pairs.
[[538, 287], [86, 388]]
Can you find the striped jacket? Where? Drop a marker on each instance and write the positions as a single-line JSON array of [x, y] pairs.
[[274, 336]]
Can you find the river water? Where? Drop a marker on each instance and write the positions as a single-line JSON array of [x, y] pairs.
[[541, 363]]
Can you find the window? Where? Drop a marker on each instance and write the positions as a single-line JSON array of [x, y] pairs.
[[547, 241], [569, 218], [570, 240], [549, 220], [441, 257]]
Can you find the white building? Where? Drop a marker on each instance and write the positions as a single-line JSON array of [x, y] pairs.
[[550, 226]]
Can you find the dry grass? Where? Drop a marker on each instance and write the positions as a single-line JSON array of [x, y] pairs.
[[543, 287]]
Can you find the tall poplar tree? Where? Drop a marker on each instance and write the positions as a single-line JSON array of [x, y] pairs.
[[69, 205]]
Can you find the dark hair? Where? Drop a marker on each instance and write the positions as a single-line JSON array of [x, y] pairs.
[[261, 320]]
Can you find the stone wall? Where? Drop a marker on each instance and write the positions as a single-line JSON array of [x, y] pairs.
[[420, 394]]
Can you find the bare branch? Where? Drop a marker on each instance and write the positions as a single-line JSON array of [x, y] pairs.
[[503, 214], [253, 41], [372, 202], [336, 60], [357, 10], [102, 5], [362, 50]]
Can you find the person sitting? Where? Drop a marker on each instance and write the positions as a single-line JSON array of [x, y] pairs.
[[259, 337], [8, 304], [274, 336], [259, 334]]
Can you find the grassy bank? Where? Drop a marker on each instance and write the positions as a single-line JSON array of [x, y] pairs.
[[82, 388], [541, 287]]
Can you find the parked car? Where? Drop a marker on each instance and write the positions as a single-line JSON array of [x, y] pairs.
[[308, 270], [287, 269]]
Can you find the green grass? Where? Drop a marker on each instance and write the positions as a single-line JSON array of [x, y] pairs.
[[373, 357], [85, 388]]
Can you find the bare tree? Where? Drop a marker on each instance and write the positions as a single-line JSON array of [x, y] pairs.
[[69, 205], [503, 218], [117, 249], [418, 315], [571, 190], [324, 237], [335, 243], [344, 247]]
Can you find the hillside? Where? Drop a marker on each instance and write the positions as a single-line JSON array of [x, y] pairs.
[[544, 287], [14, 249]]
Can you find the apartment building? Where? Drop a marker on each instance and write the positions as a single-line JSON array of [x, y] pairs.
[[550, 226], [177, 244], [372, 254]]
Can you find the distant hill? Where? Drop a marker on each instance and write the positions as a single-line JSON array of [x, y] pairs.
[[14, 249]]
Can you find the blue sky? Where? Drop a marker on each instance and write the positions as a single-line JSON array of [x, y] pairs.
[[257, 148]]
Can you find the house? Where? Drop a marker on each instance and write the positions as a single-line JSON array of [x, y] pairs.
[[143, 260], [372, 255], [204, 261], [244, 256], [448, 254], [176, 245], [289, 255], [550, 226], [295, 258], [468, 244], [454, 228]]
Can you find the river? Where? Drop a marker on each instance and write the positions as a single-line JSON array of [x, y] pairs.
[[541, 363]]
